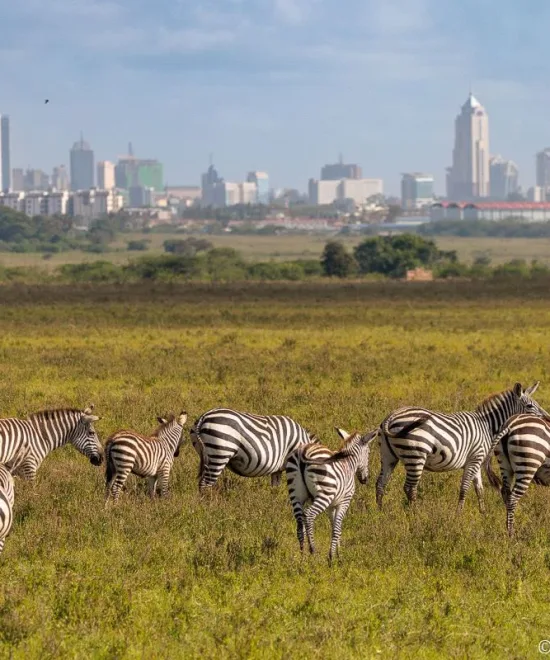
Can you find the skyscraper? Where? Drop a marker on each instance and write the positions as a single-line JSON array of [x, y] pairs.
[[82, 166], [543, 169], [261, 179], [105, 175], [469, 176], [340, 171], [60, 178], [417, 190], [504, 177], [5, 169]]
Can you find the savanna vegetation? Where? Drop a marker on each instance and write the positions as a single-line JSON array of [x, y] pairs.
[[222, 576]]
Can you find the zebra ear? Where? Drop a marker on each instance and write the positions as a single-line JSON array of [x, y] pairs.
[[89, 418], [182, 418], [88, 410], [531, 390], [342, 433], [518, 389], [369, 437], [161, 420]]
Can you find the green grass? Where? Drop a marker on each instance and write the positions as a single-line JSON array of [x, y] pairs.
[[223, 576], [286, 248]]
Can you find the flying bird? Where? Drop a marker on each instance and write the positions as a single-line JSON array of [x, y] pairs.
[[46, 101]]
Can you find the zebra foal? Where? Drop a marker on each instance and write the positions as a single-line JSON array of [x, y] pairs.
[[6, 504], [423, 439], [47, 430], [249, 445], [326, 478], [145, 456], [522, 448]]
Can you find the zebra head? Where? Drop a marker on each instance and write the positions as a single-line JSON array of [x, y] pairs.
[[357, 445], [525, 404], [171, 431], [84, 437]]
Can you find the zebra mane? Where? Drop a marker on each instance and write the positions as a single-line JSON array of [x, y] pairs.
[[53, 413], [493, 398], [313, 437], [159, 428]]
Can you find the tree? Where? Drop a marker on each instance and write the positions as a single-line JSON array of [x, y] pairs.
[[336, 261], [394, 255]]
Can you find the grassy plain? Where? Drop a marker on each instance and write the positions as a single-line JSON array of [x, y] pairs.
[[286, 248], [223, 577]]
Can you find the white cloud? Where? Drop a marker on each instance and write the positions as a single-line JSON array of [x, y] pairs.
[[293, 12]]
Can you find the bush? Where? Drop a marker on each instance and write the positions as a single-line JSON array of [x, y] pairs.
[[336, 261], [138, 246], [97, 271]]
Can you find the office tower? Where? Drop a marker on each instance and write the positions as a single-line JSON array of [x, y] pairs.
[[105, 175], [82, 166], [417, 190], [504, 177]]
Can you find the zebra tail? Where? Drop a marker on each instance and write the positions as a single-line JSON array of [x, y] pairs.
[[109, 464], [494, 479]]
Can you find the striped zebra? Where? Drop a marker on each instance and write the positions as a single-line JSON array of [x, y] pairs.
[[6, 504], [522, 448], [327, 479], [146, 456], [423, 439], [249, 445], [49, 429]]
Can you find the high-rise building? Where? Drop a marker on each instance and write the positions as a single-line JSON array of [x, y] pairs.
[[543, 169], [105, 175], [469, 176], [18, 179], [60, 178], [82, 166], [504, 177], [35, 180], [131, 172], [5, 168], [261, 179], [417, 190], [340, 171], [330, 191]]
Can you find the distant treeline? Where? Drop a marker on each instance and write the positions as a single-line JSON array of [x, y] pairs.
[[509, 228], [196, 260]]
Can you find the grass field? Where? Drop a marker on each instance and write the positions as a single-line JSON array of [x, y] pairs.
[[223, 577], [287, 247]]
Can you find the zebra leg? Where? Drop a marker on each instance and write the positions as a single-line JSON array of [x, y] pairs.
[[414, 466], [276, 478], [337, 517], [318, 506], [2, 542], [118, 484], [152, 486], [507, 476], [212, 471], [471, 469], [518, 491], [388, 463], [164, 478], [478, 485]]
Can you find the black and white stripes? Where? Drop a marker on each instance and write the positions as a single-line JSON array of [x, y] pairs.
[[327, 479], [146, 456], [6, 504], [249, 445], [423, 439]]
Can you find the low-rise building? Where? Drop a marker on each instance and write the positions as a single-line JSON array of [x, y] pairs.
[[527, 211]]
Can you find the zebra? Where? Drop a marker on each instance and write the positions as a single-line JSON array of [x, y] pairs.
[[522, 448], [146, 456], [328, 479], [6, 504], [49, 429], [438, 442], [249, 445]]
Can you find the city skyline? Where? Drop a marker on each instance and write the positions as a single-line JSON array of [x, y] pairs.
[[381, 82]]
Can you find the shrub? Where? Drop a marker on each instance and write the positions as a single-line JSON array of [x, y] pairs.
[[138, 246], [336, 261]]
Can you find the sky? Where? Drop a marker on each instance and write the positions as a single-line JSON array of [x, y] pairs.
[[277, 85]]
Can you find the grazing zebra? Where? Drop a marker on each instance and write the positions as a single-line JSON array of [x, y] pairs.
[[523, 450], [423, 439], [327, 479], [249, 445], [49, 429], [147, 456], [6, 504]]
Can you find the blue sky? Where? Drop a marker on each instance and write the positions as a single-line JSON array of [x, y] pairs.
[[278, 85]]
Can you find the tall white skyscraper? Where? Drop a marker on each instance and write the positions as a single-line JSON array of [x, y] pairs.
[[105, 175], [504, 177], [5, 169], [469, 176]]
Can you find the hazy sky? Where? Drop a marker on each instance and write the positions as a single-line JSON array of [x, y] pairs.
[[278, 85]]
